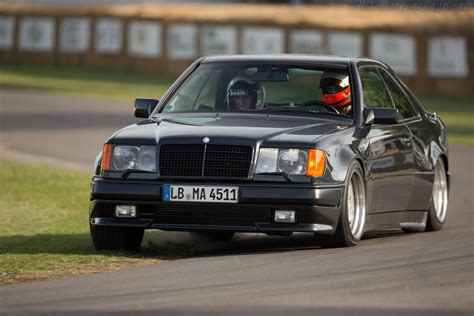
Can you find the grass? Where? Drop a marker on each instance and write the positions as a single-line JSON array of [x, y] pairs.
[[118, 85], [44, 230], [458, 113]]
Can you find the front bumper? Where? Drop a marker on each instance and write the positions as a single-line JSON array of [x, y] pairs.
[[317, 208]]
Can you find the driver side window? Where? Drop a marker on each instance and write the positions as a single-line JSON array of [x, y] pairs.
[[373, 88], [401, 102]]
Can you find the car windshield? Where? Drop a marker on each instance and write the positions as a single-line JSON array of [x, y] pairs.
[[263, 88]]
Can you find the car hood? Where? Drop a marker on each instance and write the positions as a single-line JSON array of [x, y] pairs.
[[277, 130]]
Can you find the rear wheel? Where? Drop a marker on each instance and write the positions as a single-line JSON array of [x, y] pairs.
[[439, 199], [116, 238], [353, 210]]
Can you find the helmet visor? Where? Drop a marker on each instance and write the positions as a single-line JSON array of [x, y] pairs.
[[238, 92], [331, 85]]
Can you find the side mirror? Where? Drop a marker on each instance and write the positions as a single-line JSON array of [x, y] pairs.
[[380, 116], [144, 107]]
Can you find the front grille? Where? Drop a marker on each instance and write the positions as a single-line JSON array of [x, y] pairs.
[[181, 160], [199, 160]]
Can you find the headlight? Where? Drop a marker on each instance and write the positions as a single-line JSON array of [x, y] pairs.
[[147, 159], [293, 161], [310, 162], [134, 157], [267, 160], [125, 157]]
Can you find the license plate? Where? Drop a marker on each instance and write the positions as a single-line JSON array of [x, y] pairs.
[[192, 193]]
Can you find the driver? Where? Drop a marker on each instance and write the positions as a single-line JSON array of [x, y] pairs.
[[336, 91], [243, 94]]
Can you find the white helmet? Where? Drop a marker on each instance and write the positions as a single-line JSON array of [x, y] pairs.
[[244, 85]]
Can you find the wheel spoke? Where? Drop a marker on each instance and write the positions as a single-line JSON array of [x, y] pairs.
[[350, 205]]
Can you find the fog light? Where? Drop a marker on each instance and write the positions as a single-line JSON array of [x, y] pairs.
[[285, 216], [125, 211]]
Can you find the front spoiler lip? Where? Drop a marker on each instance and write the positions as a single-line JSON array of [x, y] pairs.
[[259, 227]]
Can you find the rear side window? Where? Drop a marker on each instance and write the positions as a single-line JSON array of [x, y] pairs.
[[399, 99], [374, 89]]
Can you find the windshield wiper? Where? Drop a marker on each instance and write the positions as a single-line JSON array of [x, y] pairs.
[[298, 110]]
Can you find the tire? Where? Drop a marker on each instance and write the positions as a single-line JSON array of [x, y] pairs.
[[116, 238], [439, 198], [350, 227], [224, 236]]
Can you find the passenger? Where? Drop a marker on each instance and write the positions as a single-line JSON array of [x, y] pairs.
[[244, 94], [336, 91]]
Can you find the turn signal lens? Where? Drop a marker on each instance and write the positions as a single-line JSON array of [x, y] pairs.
[[106, 157], [316, 163]]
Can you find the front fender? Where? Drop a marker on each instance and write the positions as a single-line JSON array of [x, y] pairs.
[[97, 164], [341, 149]]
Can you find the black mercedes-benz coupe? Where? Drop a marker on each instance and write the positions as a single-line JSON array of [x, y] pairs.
[[331, 146]]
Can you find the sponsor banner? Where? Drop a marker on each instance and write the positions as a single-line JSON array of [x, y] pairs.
[[307, 42], [262, 40], [7, 24], [347, 44], [447, 56], [219, 40], [144, 39], [398, 51], [74, 36], [182, 41], [108, 36], [37, 34]]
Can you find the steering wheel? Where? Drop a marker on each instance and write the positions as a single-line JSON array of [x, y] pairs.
[[321, 104]]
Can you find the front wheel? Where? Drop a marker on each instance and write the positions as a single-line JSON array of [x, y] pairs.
[[439, 199], [116, 238], [353, 211]]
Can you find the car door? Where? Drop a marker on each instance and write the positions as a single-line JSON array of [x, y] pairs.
[[390, 164], [408, 114]]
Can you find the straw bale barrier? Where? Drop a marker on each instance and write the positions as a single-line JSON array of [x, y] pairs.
[[433, 51]]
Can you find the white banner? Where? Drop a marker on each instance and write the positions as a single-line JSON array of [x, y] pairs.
[[144, 39], [219, 40], [447, 56], [307, 42], [74, 35], [182, 41], [398, 51], [108, 36], [262, 40], [37, 34], [347, 44], [7, 24]]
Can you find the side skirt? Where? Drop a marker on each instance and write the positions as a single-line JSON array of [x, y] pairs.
[[406, 220]]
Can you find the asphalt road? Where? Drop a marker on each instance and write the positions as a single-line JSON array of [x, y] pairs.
[[393, 273]]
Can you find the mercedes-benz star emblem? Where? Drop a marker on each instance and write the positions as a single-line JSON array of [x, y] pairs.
[[205, 140]]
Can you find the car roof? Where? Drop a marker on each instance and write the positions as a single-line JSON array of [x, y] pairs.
[[285, 58]]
